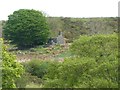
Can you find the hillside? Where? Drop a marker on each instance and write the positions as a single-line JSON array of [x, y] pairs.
[[73, 27]]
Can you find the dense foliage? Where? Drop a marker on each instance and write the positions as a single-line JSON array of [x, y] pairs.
[[99, 47], [1, 63], [37, 67], [35, 71], [26, 28], [83, 73], [26, 78], [11, 69], [95, 64]]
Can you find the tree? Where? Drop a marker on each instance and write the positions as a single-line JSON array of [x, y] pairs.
[[11, 69], [26, 28]]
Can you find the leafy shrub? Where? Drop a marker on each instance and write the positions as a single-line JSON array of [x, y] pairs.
[[22, 81], [26, 28], [1, 42], [66, 74], [83, 73], [37, 67], [99, 47], [26, 79], [11, 69]]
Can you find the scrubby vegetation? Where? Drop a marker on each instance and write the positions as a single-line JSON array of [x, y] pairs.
[[93, 65], [73, 27], [99, 47], [83, 73], [89, 58], [11, 69]]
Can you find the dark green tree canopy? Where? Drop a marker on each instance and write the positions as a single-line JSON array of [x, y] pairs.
[[26, 28]]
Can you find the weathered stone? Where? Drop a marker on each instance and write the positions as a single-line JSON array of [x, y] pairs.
[[60, 39]]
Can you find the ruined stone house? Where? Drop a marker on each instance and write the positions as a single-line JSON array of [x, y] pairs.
[[57, 40]]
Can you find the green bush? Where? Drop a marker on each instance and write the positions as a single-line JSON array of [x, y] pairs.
[[37, 67], [83, 73], [26, 28], [11, 69], [66, 74], [22, 81], [26, 79], [99, 47]]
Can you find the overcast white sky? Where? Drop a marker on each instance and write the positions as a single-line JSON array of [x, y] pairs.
[[64, 8]]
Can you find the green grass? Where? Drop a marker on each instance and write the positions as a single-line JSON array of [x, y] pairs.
[[33, 85], [64, 54]]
